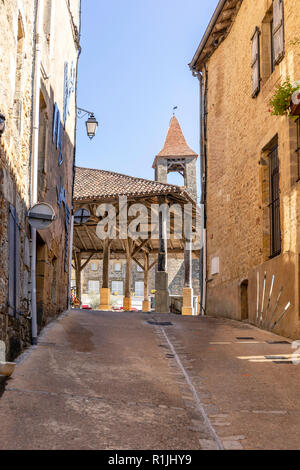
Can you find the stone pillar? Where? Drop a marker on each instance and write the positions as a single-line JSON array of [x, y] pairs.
[[190, 177], [161, 170], [127, 293], [146, 302], [162, 300], [187, 306], [105, 290]]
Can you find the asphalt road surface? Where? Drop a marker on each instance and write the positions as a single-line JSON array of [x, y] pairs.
[[103, 380]]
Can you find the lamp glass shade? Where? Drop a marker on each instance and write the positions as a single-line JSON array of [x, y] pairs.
[[91, 126]]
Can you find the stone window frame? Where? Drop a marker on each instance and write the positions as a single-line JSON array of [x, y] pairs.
[[294, 150], [268, 62]]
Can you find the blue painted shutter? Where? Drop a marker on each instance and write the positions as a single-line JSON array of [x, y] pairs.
[[55, 120]]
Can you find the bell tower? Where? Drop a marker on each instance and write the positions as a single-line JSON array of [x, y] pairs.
[[177, 156]]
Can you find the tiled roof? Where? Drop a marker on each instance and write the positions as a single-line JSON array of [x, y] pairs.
[[175, 143], [95, 184]]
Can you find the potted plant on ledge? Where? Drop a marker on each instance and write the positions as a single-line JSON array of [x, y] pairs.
[[286, 99]]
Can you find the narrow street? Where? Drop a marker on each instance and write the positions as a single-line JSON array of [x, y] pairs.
[[100, 380]]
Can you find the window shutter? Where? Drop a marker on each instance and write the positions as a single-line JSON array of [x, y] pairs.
[[278, 30], [14, 263], [255, 63]]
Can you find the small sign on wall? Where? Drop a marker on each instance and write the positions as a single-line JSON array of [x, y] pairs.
[[215, 266]]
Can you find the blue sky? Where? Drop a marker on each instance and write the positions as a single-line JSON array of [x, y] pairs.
[[132, 71]]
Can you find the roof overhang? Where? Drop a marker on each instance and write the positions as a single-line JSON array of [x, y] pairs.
[[217, 30]]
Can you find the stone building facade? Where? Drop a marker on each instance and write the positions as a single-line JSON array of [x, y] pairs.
[[56, 138], [250, 162]]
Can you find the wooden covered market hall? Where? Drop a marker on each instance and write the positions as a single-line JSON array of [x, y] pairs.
[[96, 190], [150, 223]]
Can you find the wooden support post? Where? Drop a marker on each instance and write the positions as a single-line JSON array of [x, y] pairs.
[[127, 296], [163, 247], [146, 302], [105, 290], [106, 259]]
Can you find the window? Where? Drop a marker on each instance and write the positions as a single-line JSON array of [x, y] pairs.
[[139, 269], [267, 55], [274, 202], [43, 132], [117, 287], [18, 98], [271, 43], [93, 287], [94, 267], [117, 267], [48, 21], [255, 63], [139, 288]]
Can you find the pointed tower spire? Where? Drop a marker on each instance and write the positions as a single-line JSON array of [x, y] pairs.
[[175, 144], [177, 156]]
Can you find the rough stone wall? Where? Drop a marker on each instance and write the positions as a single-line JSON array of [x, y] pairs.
[[16, 68], [239, 128], [16, 54], [176, 276]]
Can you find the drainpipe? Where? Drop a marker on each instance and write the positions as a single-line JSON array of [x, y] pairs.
[[74, 162], [34, 158], [203, 269], [70, 262], [204, 186]]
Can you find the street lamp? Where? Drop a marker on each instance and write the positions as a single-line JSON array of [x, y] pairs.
[[91, 126], [2, 124], [91, 123]]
